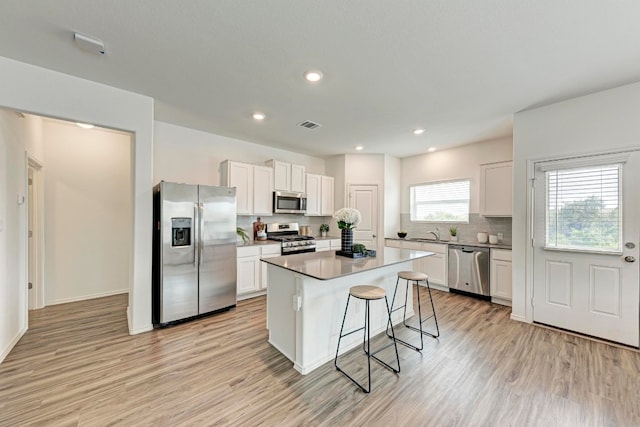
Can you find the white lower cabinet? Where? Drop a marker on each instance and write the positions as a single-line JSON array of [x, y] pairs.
[[434, 266], [336, 244], [323, 245], [252, 273], [500, 273]]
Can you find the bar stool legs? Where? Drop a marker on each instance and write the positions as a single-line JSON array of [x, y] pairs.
[[367, 295], [414, 277]]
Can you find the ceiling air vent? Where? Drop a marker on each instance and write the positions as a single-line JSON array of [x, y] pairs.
[[309, 125]]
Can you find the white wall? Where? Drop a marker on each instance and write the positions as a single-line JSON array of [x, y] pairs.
[[17, 135], [456, 163], [593, 123], [36, 90], [392, 194], [87, 211], [193, 157]]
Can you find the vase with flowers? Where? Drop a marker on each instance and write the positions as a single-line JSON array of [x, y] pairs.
[[348, 219]]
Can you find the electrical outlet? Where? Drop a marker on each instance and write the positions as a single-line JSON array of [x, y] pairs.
[[500, 236], [1, 225]]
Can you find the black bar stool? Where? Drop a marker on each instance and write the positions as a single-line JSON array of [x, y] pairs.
[[413, 276], [367, 293]]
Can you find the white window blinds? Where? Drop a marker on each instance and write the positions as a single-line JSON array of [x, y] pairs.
[[583, 209], [440, 202]]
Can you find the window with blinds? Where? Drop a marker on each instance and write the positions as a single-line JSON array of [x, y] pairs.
[[583, 209], [440, 201]]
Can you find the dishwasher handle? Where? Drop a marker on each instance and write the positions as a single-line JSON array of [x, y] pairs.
[[468, 251]]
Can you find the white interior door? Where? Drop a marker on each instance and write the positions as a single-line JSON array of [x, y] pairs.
[[31, 246], [586, 232], [365, 199]]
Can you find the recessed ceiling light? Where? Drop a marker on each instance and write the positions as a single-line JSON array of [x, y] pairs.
[[431, 149], [313, 76], [359, 147], [85, 125], [259, 116], [418, 131]]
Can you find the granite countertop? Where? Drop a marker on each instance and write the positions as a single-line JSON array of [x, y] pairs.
[[327, 265], [257, 243], [500, 245]]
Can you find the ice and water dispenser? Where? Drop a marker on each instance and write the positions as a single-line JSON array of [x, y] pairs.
[[181, 231]]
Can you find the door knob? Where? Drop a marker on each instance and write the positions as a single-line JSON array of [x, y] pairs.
[[629, 258], [374, 236]]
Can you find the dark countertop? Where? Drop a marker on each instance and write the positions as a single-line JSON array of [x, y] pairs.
[[500, 245]]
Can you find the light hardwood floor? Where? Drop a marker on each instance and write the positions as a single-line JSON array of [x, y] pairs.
[[78, 366]]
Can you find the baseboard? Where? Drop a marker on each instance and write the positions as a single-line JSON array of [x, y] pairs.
[[501, 301], [519, 318], [12, 344], [145, 328], [251, 295], [86, 297]]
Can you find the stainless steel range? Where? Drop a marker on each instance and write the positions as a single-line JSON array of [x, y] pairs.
[[291, 240]]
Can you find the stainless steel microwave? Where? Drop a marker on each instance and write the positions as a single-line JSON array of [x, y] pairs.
[[293, 203]]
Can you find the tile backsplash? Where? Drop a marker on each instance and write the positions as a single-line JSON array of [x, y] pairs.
[[466, 232], [314, 222]]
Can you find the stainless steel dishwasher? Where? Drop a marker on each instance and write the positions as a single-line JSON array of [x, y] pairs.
[[469, 270]]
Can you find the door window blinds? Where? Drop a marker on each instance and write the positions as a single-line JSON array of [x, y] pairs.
[[440, 201], [583, 209]]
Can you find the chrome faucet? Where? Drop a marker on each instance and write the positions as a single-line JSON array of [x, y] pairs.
[[436, 233]]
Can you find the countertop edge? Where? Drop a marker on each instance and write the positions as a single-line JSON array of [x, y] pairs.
[[463, 243]]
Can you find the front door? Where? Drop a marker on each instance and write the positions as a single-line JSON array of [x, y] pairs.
[[365, 199], [586, 236]]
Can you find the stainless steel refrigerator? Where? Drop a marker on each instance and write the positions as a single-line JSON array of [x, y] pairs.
[[194, 251]]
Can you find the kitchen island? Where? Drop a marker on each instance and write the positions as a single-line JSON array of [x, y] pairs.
[[307, 295]]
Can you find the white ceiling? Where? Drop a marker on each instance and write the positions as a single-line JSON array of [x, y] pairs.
[[457, 68]]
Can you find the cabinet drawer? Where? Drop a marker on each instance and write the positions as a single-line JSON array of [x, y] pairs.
[[501, 254], [244, 251], [438, 248], [271, 250], [323, 245]]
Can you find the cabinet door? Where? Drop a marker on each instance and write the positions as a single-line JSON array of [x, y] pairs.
[[264, 277], [297, 179], [240, 176], [496, 189], [435, 267], [313, 195], [326, 198], [262, 190], [248, 274], [281, 176], [501, 271]]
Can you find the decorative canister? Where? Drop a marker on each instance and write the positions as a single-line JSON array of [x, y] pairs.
[[483, 237]]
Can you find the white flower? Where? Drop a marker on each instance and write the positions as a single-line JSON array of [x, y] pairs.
[[347, 218]]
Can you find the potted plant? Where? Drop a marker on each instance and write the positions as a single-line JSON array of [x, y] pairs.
[[324, 229], [453, 230], [242, 233]]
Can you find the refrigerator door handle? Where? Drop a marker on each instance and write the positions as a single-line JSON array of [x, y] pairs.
[[201, 232], [196, 234]]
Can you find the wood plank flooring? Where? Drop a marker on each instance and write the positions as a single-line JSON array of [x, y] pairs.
[[78, 366]]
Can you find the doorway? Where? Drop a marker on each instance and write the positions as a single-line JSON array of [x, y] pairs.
[[585, 245], [35, 235], [365, 199]]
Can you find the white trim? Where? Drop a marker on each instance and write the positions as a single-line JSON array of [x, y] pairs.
[[585, 161], [520, 319], [86, 297], [12, 344]]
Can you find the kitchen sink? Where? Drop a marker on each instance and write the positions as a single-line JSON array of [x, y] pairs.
[[425, 239]]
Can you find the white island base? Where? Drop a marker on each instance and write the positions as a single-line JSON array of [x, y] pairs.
[[304, 313]]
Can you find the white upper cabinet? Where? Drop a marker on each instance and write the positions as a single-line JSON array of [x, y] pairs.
[[262, 190], [297, 179], [253, 184], [313, 194], [326, 195], [319, 195], [287, 177], [240, 176], [496, 189]]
